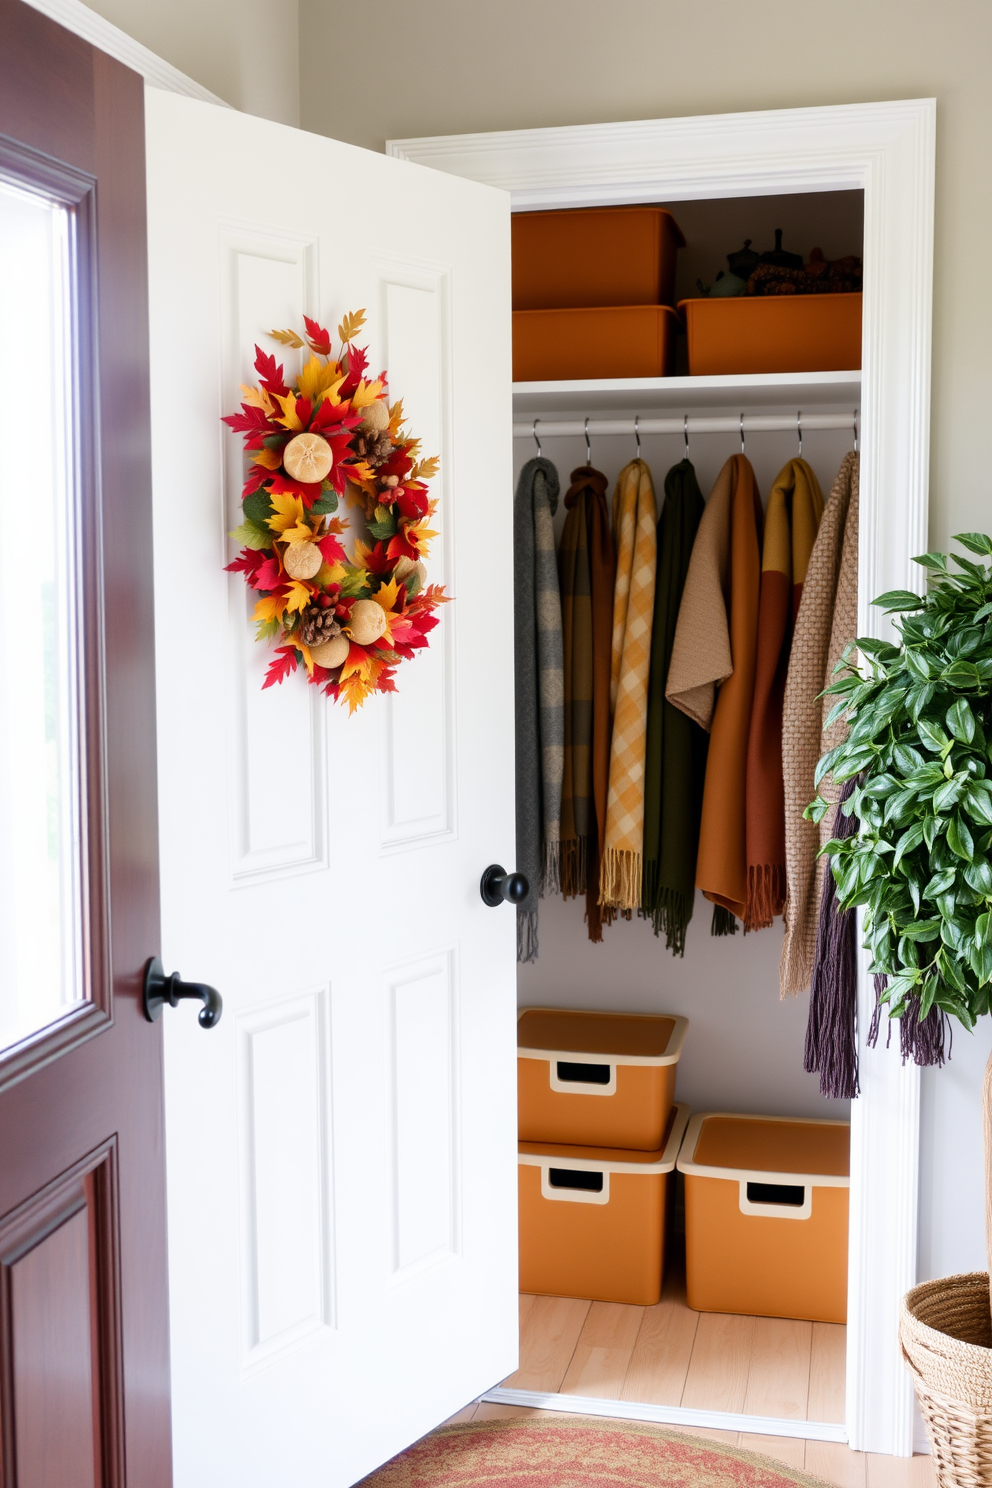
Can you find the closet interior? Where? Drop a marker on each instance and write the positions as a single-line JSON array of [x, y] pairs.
[[743, 1047]]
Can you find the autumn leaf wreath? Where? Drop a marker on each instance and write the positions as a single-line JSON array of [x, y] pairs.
[[333, 434]]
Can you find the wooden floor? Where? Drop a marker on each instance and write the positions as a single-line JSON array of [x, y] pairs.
[[669, 1355]]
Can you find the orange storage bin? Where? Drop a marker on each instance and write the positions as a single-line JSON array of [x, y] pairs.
[[596, 1079], [766, 1208], [593, 1220], [616, 341], [594, 256], [773, 333]]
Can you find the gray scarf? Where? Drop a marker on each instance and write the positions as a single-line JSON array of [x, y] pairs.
[[539, 678]]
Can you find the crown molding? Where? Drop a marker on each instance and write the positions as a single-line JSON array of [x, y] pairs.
[[84, 22]]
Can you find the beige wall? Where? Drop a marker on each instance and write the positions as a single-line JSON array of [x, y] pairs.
[[446, 66], [245, 51]]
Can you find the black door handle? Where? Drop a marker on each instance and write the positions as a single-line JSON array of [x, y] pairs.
[[498, 885], [161, 989]]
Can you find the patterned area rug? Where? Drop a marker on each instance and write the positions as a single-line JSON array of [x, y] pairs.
[[577, 1452]]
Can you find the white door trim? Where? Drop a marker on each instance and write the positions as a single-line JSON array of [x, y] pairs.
[[82, 21], [886, 149], [670, 1415]]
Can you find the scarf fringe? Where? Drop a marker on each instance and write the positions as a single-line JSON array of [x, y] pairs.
[[620, 879], [921, 1040], [670, 914], [573, 866], [831, 1048], [526, 935], [765, 895], [723, 922], [551, 870]]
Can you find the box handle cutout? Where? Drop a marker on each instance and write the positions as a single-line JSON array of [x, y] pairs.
[[776, 1200], [575, 1178], [793, 1194], [583, 1074]]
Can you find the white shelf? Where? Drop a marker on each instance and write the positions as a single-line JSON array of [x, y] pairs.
[[836, 391]]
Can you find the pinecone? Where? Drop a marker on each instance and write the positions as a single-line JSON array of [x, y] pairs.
[[373, 445], [317, 625]]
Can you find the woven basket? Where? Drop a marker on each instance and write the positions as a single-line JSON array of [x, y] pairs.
[[945, 1329]]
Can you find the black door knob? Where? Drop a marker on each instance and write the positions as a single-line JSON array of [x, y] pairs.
[[161, 989], [498, 885]]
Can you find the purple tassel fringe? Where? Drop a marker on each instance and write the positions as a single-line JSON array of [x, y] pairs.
[[921, 1041], [832, 1030]]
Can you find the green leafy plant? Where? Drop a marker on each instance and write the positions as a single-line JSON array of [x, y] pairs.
[[919, 749]]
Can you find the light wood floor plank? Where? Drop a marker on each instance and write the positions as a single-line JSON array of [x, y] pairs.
[[728, 1438], [778, 1373], [718, 1368], [490, 1411], [836, 1463], [463, 1415], [548, 1337], [900, 1472], [788, 1449], [602, 1353], [660, 1361], [827, 1372]]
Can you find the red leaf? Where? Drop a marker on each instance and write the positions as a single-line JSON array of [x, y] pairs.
[[247, 562], [320, 340], [304, 408], [271, 376], [386, 680], [330, 549], [248, 421], [330, 415], [256, 477], [281, 485], [269, 575], [280, 666], [358, 361]]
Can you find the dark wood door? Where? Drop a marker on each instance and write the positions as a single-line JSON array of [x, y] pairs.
[[84, 1370]]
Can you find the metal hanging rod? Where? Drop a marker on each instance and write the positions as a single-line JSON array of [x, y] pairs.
[[747, 423]]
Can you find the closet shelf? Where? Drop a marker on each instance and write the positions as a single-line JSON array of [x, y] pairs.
[[680, 395]]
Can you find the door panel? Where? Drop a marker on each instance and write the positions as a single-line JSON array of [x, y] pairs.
[[84, 1371], [343, 1146]]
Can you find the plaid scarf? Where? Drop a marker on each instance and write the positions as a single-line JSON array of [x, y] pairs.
[[586, 571], [675, 762], [635, 522], [537, 680]]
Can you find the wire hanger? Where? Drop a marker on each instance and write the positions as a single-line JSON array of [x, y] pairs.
[[855, 431], [637, 434], [536, 440], [799, 430], [588, 445], [742, 433], [685, 434]]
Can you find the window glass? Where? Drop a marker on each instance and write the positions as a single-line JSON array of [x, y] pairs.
[[41, 968]]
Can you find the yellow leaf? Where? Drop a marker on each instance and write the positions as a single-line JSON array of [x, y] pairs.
[[365, 393], [317, 377], [257, 398], [395, 419], [426, 470], [268, 459], [287, 338], [351, 325], [302, 532], [299, 597], [288, 511], [307, 658], [290, 419], [331, 395], [388, 594], [269, 607]]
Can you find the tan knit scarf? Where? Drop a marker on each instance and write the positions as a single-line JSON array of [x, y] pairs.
[[826, 622], [635, 522]]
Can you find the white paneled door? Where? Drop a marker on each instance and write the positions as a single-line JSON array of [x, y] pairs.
[[341, 1148]]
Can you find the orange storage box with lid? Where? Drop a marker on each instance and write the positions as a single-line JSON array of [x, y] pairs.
[[596, 1079], [591, 256], [593, 1220], [773, 333], [615, 341], [766, 1210]]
